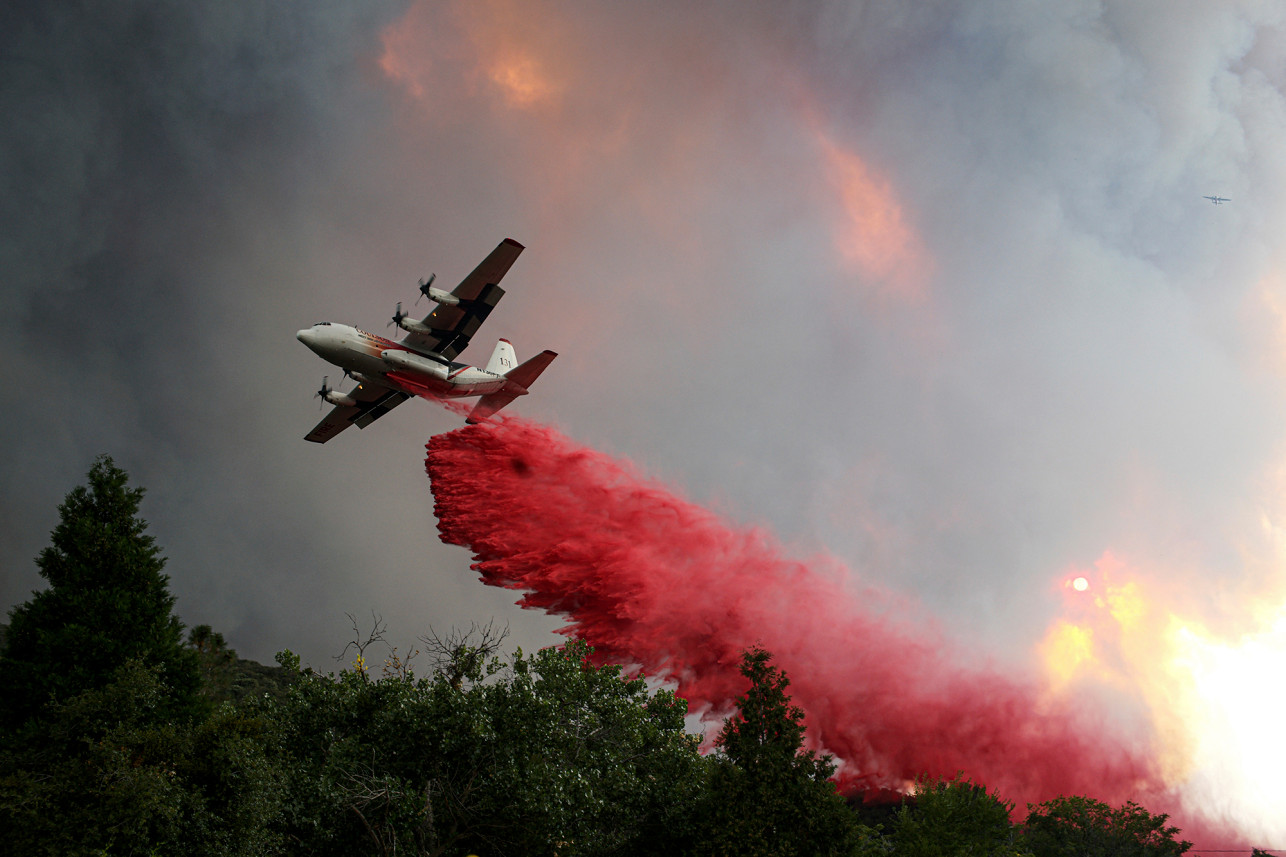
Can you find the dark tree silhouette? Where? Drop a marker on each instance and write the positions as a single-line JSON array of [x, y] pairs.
[[768, 795], [108, 602]]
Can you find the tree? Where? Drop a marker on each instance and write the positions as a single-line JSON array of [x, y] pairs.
[[547, 755], [107, 602], [93, 774], [103, 772], [769, 796], [215, 662], [954, 818], [1083, 827]]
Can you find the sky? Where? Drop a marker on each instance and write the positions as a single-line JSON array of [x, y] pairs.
[[930, 289]]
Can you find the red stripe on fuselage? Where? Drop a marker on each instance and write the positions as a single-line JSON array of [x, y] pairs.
[[417, 385]]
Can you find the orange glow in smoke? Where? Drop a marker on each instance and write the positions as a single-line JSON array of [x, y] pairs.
[[873, 237], [1267, 303], [400, 61], [481, 51], [521, 79]]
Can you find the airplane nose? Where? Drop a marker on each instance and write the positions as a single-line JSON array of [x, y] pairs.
[[305, 335]]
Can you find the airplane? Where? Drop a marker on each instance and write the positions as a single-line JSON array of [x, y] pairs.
[[1217, 199], [423, 362]]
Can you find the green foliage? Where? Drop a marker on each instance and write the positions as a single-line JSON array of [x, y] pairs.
[[95, 775], [216, 662], [225, 676], [549, 756], [235, 791], [107, 602], [954, 819], [768, 796], [1083, 827], [103, 772]]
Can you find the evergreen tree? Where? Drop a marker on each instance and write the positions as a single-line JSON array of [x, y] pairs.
[[768, 796], [107, 602]]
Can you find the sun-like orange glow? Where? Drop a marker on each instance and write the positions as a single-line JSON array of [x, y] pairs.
[[1080, 584], [873, 237]]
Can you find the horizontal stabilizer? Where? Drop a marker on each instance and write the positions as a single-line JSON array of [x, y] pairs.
[[488, 405], [529, 371], [519, 379]]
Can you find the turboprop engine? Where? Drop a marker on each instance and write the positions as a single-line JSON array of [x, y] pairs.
[[407, 323], [334, 396], [438, 296]]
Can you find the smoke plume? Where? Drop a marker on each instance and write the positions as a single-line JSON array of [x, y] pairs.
[[653, 580]]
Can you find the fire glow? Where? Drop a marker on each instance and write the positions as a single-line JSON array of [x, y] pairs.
[[1209, 698], [873, 236]]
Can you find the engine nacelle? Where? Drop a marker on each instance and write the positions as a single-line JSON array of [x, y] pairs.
[[337, 398], [410, 325], [405, 361], [439, 296]]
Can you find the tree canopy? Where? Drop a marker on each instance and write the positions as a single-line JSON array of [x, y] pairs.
[[956, 818], [548, 755], [1084, 827], [768, 795], [108, 602]]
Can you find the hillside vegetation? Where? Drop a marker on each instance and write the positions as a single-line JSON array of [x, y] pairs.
[[121, 735]]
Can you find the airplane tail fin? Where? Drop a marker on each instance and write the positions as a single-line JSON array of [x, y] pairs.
[[503, 358], [519, 378]]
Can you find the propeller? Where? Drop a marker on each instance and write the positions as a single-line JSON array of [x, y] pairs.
[[424, 287], [322, 392], [398, 315]]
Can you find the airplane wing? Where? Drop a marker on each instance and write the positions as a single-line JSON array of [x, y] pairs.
[[453, 326], [373, 402]]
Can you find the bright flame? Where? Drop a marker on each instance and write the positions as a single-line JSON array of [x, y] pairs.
[[1066, 650], [1080, 584], [1214, 704]]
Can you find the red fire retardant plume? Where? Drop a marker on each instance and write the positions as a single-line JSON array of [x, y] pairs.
[[653, 580]]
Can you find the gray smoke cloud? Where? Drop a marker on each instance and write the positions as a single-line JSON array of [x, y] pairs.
[[165, 164], [931, 287]]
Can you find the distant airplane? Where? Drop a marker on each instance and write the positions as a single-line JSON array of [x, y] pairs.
[[1217, 199], [422, 364]]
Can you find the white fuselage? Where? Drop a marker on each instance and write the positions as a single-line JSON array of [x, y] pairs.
[[381, 361]]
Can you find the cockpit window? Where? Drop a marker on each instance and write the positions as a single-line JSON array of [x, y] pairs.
[[322, 324]]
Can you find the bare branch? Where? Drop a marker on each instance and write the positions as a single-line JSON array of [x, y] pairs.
[[461, 655], [376, 635]]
